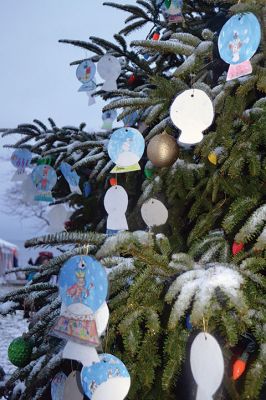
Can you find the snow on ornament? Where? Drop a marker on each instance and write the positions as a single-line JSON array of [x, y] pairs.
[[108, 118], [192, 112], [57, 386], [44, 179], [238, 41], [73, 388], [107, 379], [115, 204], [20, 159], [154, 213], [172, 10], [207, 365], [71, 177], [109, 69], [125, 148]]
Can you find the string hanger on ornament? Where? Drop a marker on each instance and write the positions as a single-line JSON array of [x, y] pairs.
[[205, 326]]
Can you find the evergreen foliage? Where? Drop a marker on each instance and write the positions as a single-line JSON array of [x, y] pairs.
[[157, 279]]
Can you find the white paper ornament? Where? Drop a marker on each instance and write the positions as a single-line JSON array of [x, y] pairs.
[[115, 204], [57, 216], [109, 69], [73, 389], [207, 365], [85, 354], [154, 213], [192, 112]]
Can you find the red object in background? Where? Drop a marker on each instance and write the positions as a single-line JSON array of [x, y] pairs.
[[237, 247], [113, 181], [131, 80], [68, 225], [239, 367], [156, 36]]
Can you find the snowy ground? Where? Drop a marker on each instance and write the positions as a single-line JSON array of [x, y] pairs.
[[11, 327]]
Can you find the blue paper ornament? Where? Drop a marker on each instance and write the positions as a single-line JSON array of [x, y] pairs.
[[239, 38], [21, 159], [108, 118], [58, 385], [83, 280], [44, 179], [87, 189], [125, 148], [107, 379], [70, 176], [172, 10], [131, 119]]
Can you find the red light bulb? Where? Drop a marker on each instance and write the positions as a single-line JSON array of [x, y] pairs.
[[113, 181], [237, 247]]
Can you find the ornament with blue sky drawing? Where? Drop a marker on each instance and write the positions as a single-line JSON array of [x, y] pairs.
[[57, 386], [125, 148], [109, 69], [44, 179], [238, 41], [108, 379], [108, 118], [20, 159], [71, 177], [82, 279], [86, 71], [172, 10], [131, 119]]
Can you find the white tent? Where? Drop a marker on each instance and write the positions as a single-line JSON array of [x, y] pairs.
[[7, 253]]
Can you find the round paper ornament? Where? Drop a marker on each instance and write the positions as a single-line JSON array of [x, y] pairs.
[[19, 352], [107, 379], [162, 150], [154, 213], [86, 71], [71, 177], [125, 148], [21, 159], [44, 178], [57, 386], [82, 279], [207, 365], [57, 217], [115, 204], [192, 112], [109, 69], [131, 119], [239, 38], [73, 388], [108, 118]]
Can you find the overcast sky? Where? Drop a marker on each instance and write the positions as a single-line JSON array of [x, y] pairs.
[[36, 80]]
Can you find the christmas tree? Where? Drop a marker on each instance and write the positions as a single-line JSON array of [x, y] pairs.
[[201, 271]]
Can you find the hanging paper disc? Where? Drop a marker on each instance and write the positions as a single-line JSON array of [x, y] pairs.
[[71, 177], [207, 365], [154, 213], [21, 159], [108, 118], [44, 179], [82, 279], [192, 112], [86, 71], [115, 204], [107, 379], [125, 148], [109, 69], [239, 38]]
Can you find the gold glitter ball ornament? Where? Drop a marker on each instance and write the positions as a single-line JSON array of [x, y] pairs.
[[162, 150]]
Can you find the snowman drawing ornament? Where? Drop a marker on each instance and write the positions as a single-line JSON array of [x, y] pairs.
[[238, 41], [125, 148], [109, 69], [115, 204], [192, 112]]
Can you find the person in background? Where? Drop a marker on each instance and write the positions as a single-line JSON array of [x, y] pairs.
[[43, 258]]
